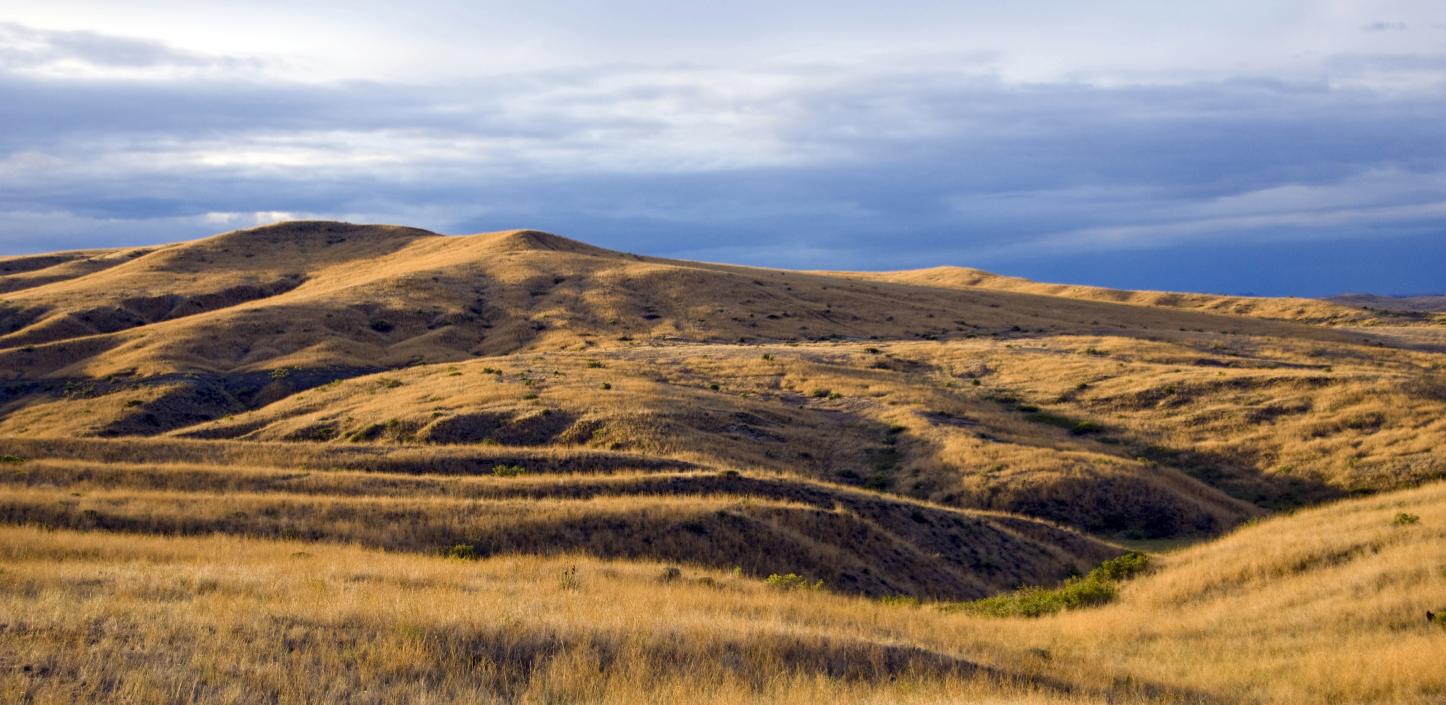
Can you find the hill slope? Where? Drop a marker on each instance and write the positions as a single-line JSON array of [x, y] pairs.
[[1122, 413], [1323, 606]]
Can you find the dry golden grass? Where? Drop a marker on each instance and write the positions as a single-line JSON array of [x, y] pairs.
[[1323, 606], [229, 468], [855, 541], [1210, 411]]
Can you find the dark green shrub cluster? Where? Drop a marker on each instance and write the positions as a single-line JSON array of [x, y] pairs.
[[1100, 586], [501, 470], [7, 458], [462, 552], [1406, 519]]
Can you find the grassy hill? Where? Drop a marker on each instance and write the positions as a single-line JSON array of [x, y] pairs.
[[514, 467], [1128, 414]]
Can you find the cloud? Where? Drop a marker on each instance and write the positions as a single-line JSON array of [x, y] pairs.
[[56, 53], [889, 162]]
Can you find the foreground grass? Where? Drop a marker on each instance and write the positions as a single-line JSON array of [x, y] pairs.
[[1324, 606]]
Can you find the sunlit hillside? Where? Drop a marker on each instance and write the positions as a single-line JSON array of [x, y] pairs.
[[323, 462]]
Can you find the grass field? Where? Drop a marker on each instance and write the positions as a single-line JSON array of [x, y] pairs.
[[1323, 606], [319, 462]]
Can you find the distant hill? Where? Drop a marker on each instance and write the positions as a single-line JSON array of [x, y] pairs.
[[1404, 304]]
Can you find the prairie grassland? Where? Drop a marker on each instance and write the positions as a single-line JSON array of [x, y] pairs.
[[1114, 436], [1126, 414], [856, 541], [1322, 606], [230, 471]]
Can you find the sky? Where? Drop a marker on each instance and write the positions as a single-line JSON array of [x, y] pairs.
[[1262, 147]]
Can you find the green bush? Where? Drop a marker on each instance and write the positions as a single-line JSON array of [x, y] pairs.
[[1100, 586], [1406, 519], [7, 458], [1123, 567], [792, 581], [461, 552], [501, 470]]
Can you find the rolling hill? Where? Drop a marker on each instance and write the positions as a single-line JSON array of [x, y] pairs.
[[514, 467], [1129, 414]]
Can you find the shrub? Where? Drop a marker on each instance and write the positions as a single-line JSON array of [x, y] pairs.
[[462, 552], [7, 458], [670, 574], [595, 364], [381, 326], [1100, 586], [767, 356], [1406, 519], [792, 581], [132, 403], [503, 470], [714, 387], [820, 393], [605, 385], [389, 383], [1123, 567]]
